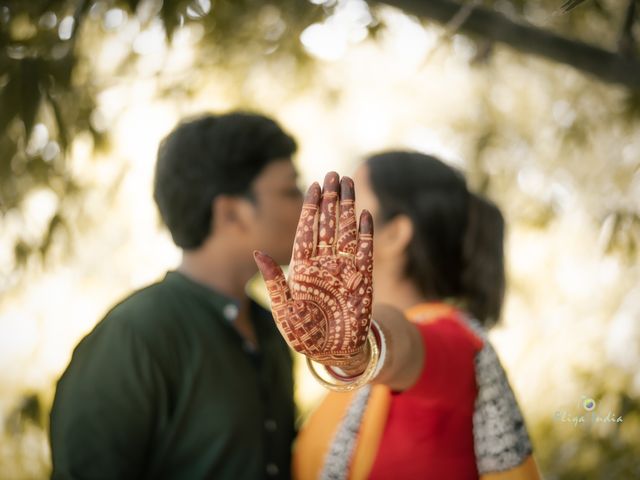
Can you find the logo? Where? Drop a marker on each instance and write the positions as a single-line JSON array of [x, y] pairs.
[[588, 404]]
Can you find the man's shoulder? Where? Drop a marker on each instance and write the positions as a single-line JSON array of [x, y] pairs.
[[142, 325], [141, 312], [145, 303]]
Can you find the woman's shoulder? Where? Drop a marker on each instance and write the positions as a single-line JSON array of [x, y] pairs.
[[451, 348], [449, 323]]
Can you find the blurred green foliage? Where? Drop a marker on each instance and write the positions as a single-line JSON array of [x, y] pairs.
[[592, 450], [43, 74], [44, 78]]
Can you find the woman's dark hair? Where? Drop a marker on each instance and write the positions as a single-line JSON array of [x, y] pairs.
[[484, 277], [456, 251], [208, 156]]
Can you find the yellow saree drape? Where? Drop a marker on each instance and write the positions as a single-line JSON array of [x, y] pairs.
[[315, 438]]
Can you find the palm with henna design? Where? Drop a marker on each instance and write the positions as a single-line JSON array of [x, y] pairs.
[[324, 309]]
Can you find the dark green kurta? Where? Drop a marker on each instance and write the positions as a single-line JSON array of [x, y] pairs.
[[164, 387]]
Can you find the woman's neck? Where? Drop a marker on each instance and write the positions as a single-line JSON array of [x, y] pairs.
[[399, 293]]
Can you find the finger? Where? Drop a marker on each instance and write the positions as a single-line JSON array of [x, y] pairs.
[[328, 219], [347, 226], [364, 254], [305, 241], [364, 266], [279, 294], [274, 279]]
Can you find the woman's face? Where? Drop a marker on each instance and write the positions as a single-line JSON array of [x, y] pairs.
[[390, 239], [366, 199], [365, 196]]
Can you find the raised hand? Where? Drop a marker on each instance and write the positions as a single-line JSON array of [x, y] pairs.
[[324, 309]]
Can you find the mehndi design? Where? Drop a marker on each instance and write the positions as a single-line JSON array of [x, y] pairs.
[[324, 309]]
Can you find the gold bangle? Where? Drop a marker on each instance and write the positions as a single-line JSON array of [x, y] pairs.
[[361, 380]]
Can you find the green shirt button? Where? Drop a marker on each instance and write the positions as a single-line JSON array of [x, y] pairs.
[[270, 425], [272, 469]]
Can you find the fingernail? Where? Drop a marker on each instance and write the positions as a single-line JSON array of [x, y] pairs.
[[347, 191], [331, 182], [366, 222], [313, 194]]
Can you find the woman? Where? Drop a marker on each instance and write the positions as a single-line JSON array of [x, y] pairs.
[[442, 407]]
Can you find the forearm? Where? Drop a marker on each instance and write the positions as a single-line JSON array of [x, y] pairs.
[[405, 352], [403, 358]]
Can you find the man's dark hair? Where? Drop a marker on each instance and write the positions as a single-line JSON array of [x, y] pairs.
[[456, 251], [208, 156]]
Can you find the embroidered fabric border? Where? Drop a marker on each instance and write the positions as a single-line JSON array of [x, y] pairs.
[[338, 459], [500, 435]]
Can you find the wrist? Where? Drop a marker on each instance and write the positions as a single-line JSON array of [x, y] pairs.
[[359, 362], [346, 384], [356, 366]]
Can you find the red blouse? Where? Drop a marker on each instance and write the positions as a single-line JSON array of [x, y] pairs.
[[429, 430]]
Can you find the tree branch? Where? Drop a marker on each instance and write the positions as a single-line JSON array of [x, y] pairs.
[[627, 43], [605, 65]]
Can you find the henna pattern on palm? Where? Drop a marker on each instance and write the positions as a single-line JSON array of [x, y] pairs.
[[324, 309]]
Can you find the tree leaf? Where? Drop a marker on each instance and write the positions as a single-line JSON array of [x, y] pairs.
[[132, 4], [60, 70], [171, 16], [570, 5], [55, 224], [63, 133], [30, 92], [9, 102], [22, 252]]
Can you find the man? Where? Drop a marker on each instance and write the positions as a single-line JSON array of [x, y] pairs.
[[189, 378]]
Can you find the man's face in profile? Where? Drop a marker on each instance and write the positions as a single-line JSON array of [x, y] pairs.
[[278, 201]]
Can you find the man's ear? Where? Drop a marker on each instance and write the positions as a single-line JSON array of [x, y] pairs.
[[394, 237], [230, 211]]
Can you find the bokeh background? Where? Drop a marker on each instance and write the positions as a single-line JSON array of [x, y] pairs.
[[538, 101]]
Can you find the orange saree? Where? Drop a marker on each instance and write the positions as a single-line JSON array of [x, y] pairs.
[[315, 440]]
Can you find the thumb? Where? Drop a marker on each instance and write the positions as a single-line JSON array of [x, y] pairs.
[[272, 274]]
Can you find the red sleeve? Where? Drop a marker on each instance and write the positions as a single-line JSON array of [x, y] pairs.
[[449, 363]]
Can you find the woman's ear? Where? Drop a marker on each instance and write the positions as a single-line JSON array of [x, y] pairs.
[[394, 237]]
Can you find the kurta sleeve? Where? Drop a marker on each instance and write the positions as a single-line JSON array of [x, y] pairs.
[[103, 415]]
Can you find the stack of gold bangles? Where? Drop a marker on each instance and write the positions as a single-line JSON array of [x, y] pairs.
[[348, 384]]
